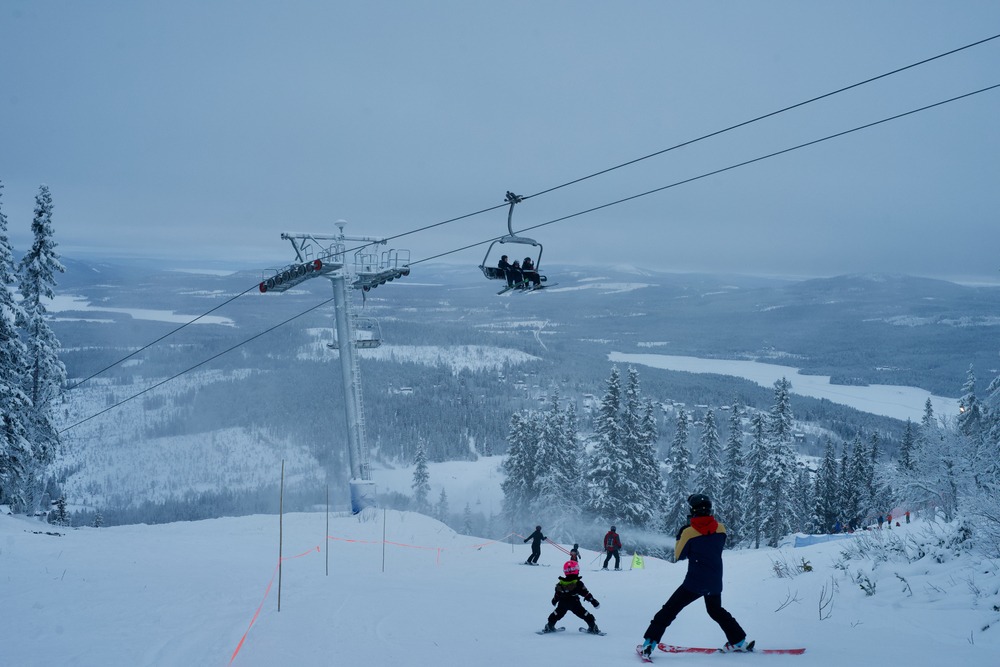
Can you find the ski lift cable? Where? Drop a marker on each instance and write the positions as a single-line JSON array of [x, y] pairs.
[[767, 115], [723, 169], [197, 365], [563, 218], [150, 344], [566, 184], [703, 137]]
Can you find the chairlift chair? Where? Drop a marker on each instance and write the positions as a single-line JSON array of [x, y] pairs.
[[367, 334], [494, 272]]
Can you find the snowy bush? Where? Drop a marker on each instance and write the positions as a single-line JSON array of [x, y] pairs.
[[783, 569]]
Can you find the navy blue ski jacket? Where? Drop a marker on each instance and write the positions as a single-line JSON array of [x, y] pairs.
[[701, 545]]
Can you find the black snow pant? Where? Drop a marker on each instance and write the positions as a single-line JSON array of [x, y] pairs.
[[574, 605], [536, 551], [618, 560], [681, 598]]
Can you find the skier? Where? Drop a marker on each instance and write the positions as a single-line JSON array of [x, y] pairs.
[[612, 544], [536, 545], [700, 542], [569, 589], [574, 553]]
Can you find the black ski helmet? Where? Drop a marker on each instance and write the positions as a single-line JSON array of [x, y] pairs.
[[612, 527], [538, 527], [701, 505]]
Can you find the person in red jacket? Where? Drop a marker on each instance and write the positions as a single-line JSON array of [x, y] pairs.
[[612, 544], [700, 543]]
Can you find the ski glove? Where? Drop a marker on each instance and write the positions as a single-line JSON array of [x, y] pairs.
[[596, 604]]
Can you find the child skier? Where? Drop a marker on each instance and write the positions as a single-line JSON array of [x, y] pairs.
[[700, 543], [569, 590]]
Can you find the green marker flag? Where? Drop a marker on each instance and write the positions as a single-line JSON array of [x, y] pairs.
[[636, 562]]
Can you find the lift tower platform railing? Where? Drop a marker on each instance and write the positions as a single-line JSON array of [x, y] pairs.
[[327, 255]]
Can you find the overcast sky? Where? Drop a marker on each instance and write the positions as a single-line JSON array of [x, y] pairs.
[[205, 129]]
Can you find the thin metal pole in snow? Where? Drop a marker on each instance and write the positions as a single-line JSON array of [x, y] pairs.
[[327, 538], [281, 527], [383, 539]]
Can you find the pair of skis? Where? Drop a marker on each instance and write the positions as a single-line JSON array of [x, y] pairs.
[[560, 629], [670, 648], [524, 287]]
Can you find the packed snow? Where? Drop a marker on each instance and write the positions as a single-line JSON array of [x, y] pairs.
[[390, 587]]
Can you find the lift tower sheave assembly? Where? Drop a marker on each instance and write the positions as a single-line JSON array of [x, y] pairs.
[[326, 255]]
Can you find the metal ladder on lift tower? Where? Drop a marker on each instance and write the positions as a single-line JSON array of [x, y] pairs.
[[366, 472]]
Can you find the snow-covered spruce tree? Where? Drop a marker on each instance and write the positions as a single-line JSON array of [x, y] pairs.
[[846, 511], [970, 416], [678, 484], [827, 490], [708, 470], [647, 466], [441, 510], [856, 499], [608, 467], [756, 462], [780, 467], [642, 493], [467, 520], [557, 468], [519, 468], [805, 520], [15, 406], [906, 448], [986, 506], [421, 481], [46, 373], [729, 508], [991, 438], [879, 485]]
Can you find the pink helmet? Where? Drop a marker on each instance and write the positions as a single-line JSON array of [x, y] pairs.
[[571, 568]]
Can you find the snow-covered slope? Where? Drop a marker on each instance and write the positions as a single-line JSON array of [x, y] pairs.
[[207, 593]]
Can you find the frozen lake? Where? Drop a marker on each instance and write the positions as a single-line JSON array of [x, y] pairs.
[[879, 399]]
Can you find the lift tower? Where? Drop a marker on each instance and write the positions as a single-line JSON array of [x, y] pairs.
[[365, 269]]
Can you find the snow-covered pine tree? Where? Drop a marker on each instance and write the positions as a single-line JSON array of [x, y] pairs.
[[756, 462], [847, 502], [15, 406], [519, 468], [441, 510], [640, 493], [647, 466], [608, 467], [467, 520], [46, 373], [969, 411], [780, 467], [906, 448], [708, 470], [991, 428], [678, 485], [421, 480], [60, 516], [855, 491], [557, 470], [804, 519], [987, 504], [827, 492], [730, 505]]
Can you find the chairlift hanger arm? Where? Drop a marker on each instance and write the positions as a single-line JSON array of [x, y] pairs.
[[512, 199]]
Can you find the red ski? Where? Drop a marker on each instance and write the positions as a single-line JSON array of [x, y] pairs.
[[670, 648]]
